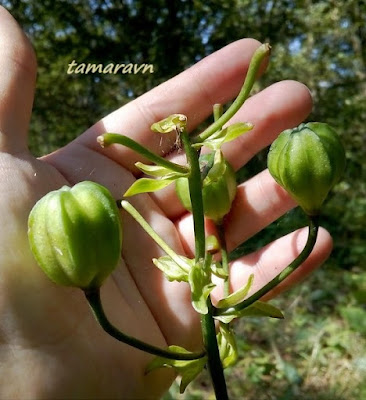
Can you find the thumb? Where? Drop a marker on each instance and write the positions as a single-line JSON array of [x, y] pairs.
[[18, 68]]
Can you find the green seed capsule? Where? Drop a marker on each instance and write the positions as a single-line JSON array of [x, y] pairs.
[[307, 161], [218, 187], [75, 235]]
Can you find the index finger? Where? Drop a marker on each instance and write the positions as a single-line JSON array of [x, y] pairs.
[[215, 79]]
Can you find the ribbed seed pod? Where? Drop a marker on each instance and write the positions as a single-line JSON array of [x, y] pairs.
[[75, 235], [218, 187], [307, 161]]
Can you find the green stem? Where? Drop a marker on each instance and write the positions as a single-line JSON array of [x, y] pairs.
[[195, 190], [310, 243], [207, 321], [213, 355], [224, 258], [149, 230], [93, 298], [112, 138], [254, 66]]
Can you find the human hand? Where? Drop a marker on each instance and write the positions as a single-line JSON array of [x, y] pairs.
[[50, 345]]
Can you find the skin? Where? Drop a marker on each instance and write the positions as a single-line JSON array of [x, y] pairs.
[[50, 345]]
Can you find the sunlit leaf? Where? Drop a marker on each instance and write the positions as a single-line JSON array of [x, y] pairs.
[[236, 130], [218, 270], [262, 309], [172, 270], [227, 346], [217, 170], [187, 369], [159, 171], [152, 170], [201, 287], [257, 309], [226, 135], [237, 296], [144, 185], [218, 135], [227, 318]]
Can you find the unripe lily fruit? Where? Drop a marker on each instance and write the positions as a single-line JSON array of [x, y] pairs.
[[307, 161], [218, 187], [75, 235]]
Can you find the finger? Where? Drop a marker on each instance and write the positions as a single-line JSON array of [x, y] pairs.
[[258, 202], [17, 82], [217, 78], [278, 107], [269, 261]]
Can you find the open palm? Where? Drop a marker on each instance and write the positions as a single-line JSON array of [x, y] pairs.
[[50, 345]]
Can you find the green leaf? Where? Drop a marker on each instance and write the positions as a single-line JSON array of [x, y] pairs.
[[175, 122], [201, 287], [217, 270], [226, 135], [220, 134], [236, 130], [188, 370], [172, 270], [218, 169], [237, 296], [262, 309], [159, 171], [257, 309], [227, 346], [145, 185], [213, 144], [153, 170], [227, 318]]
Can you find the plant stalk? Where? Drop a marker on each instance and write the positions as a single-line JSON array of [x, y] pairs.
[[207, 321], [195, 190], [150, 231], [310, 243], [244, 93], [95, 303], [112, 138]]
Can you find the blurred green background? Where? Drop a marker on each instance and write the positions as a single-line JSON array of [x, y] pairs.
[[318, 351]]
